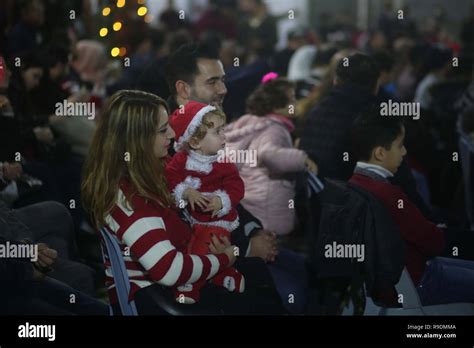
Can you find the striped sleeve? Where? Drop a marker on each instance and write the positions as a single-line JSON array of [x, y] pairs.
[[148, 241]]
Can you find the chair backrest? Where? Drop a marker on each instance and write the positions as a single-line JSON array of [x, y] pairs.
[[466, 149], [411, 301], [119, 272], [407, 289]]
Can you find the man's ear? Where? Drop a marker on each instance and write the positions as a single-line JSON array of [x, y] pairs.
[[182, 89], [335, 81], [378, 153]]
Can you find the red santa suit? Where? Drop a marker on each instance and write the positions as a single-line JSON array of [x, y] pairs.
[[212, 176], [208, 175]]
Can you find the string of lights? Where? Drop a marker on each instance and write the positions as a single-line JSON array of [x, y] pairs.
[[115, 26]]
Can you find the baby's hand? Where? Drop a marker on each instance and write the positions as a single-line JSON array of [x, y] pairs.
[[214, 205], [195, 197]]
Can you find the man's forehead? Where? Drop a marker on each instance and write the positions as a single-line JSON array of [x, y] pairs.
[[209, 68]]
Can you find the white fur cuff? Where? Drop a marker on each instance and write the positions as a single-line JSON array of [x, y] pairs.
[[178, 191], [226, 205]]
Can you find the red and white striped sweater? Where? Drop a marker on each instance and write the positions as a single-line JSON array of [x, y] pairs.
[[153, 240]]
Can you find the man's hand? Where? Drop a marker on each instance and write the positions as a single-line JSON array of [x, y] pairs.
[[81, 96], [214, 205], [264, 245], [46, 257], [311, 165], [4, 102], [44, 134], [195, 197], [12, 171]]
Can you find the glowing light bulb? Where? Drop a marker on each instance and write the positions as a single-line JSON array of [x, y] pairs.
[[103, 32], [142, 11], [114, 52], [117, 26]]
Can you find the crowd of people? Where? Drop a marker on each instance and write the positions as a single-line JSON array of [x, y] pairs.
[[142, 160]]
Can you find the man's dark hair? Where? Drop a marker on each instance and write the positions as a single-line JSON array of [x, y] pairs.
[[55, 53], [359, 69], [371, 130], [33, 59], [182, 63], [384, 60]]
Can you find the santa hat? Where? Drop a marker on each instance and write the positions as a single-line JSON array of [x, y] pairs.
[[185, 121]]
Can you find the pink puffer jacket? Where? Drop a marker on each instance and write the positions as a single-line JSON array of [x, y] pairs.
[[268, 186]]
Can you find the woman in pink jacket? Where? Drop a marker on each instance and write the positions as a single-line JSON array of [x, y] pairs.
[[266, 131]]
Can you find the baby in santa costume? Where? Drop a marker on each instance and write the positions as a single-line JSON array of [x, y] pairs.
[[205, 186]]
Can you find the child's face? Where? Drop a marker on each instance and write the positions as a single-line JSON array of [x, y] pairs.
[[214, 139], [391, 159]]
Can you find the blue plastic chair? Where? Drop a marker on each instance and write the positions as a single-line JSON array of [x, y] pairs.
[[119, 272], [122, 285]]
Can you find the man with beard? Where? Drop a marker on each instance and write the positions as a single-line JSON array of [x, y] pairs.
[[195, 72]]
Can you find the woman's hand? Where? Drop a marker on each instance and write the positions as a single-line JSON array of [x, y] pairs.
[[46, 256], [222, 245], [12, 171], [195, 197]]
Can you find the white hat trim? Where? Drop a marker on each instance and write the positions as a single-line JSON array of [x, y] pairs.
[[193, 126]]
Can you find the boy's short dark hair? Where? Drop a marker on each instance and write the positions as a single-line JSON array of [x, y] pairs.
[[360, 69], [371, 130], [182, 63]]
